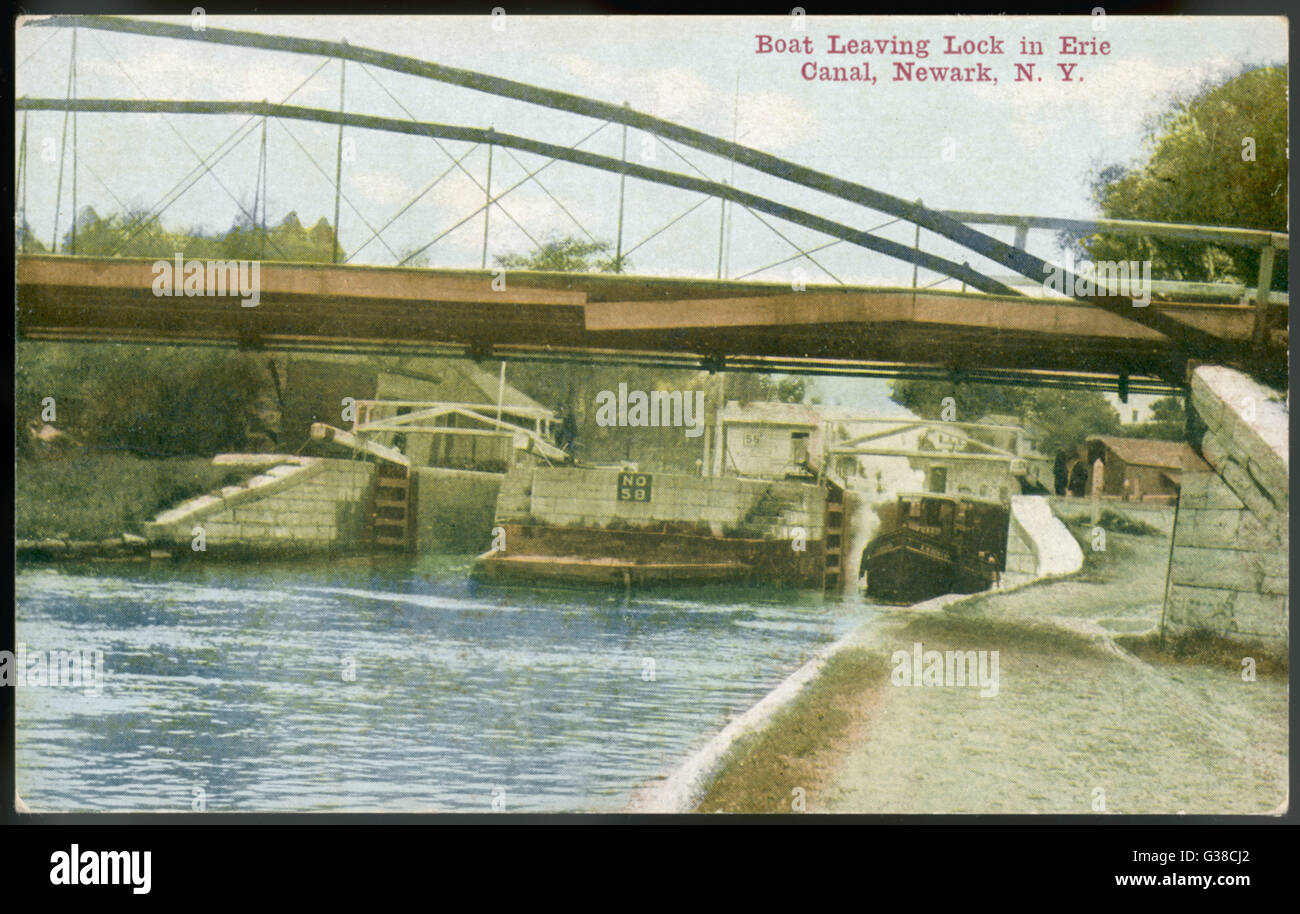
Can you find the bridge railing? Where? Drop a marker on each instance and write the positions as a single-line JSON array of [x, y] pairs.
[[1266, 242]]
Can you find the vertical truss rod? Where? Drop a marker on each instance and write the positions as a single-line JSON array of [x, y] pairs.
[[338, 159], [264, 167], [722, 225], [63, 149], [74, 143], [487, 202], [622, 187], [21, 182]]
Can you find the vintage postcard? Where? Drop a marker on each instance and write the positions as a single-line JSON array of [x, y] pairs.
[[608, 414]]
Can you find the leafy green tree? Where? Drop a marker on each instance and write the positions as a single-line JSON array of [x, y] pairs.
[[26, 242], [148, 401], [566, 255], [925, 398], [289, 241], [1168, 421], [1065, 417], [134, 233], [747, 387], [1218, 158], [1068, 417], [137, 233], [791, 389]]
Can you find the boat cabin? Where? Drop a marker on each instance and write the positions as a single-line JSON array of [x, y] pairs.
[[932, 544]]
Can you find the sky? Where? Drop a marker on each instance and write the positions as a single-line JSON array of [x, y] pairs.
[[1011, 147]]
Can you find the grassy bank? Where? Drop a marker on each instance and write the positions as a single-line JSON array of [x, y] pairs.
[[762, 771], [95, 496], [1087, 707]]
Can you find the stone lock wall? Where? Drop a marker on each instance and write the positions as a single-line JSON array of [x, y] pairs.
[[1229, 571], [566, 497], [1038, 543], [302, 505], [1020, 553]]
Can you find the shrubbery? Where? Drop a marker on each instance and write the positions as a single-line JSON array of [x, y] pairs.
[[147, 401]]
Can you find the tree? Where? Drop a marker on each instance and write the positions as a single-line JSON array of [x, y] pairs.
[[414, 257], [26, 242], [137, 233], [287, 241], [1064, 417], [149, 401], [566, 255], [925, 398], [1067, 418], [133, 233], [1218, 158], [1168, 421], [747, 387]]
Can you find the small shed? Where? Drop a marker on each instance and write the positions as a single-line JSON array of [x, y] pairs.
[[1141, 469]]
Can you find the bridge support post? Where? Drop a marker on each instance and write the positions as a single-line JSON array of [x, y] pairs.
[[1022, 235]]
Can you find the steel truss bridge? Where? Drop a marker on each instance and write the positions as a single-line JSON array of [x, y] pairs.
[[985, 330]]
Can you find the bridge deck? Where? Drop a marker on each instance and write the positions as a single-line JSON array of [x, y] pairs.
[[313, 305]]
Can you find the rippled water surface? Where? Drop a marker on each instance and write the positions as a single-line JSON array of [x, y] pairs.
[[232, 681]]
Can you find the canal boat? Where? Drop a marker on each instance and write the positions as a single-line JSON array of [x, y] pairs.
[[933, 544]]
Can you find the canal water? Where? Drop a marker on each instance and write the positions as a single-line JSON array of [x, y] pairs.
[[396, 687]]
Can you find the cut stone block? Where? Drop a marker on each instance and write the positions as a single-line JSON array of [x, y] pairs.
[[1207, 490]]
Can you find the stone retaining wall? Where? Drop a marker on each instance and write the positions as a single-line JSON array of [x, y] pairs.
[[1020, 554], [561, 497], [1038, 543], [308, 505], [1229, 573]]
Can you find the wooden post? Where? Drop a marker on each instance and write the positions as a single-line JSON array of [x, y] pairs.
[[1169, 571], [1259, 336], [501, 392]]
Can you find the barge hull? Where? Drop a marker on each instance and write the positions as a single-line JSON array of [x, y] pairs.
[[543, 569]]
